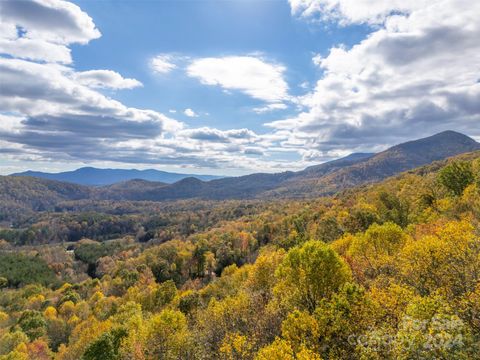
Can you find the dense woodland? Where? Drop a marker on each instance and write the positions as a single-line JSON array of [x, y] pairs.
[[383, 271]]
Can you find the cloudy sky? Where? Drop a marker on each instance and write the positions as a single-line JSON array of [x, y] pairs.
[[230, 87]]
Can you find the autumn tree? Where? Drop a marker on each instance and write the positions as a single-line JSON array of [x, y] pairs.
[[374, 251], [167, 336], [310, 273], [106, 347], [456, 177]]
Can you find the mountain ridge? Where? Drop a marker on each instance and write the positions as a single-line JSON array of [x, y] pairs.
[[99, 177], [394, 160], [329, 177], [314, 181]]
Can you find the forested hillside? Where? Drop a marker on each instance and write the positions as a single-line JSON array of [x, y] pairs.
[[383, 271]]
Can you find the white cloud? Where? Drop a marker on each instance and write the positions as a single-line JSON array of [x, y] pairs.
[[162, 64], [57, 113], [190, 113], [39, 50], [50, 112], [414, 75], [207, 134], [41, 30], [55, 21], [105, 79], [270, 107], [11, 123], [354, 11], [251, 75]]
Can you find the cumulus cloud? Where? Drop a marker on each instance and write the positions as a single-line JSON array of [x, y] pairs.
[[250, 75], [38, 50], [41, 30], [415, 74], [207, 134], [51, 20], [190, 113], [38, 89], [49, 111], [105, 79], [163, 63]]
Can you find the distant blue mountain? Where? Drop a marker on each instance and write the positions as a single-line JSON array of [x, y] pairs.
[[152, 185], [99, 177]]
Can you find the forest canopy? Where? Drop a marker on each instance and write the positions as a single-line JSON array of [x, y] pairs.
[[383, 271]]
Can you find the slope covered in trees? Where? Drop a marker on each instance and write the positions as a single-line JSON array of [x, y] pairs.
[[383, 271]]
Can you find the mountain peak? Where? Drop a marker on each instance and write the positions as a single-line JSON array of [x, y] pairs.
[[452, 133], [189, 181], [443, 144]]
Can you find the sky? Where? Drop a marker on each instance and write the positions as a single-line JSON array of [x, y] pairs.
[[230, 87]]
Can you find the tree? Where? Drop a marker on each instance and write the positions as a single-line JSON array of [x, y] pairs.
[[58, 332], [260, 279], [456, 177], [32, 324], [347, 314], [278, 350], [447, 260], [106, 347], [10, 340], [165, 293], [282, 350], [309, 273], [360, 218], [39, 350], [329, 229], [374, 252], [236, 347], [167, 336], [394, 209], [3, 319], [233, 314], [19, 270], [301, 329]]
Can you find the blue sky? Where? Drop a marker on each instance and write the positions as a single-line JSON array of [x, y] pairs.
[[200, 29], [230, 87]]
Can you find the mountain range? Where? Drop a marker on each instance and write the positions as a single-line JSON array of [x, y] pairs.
[[98, 177], [318, 180], [323, 179]]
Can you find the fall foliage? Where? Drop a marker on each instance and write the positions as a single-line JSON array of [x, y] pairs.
[[384, 271]]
